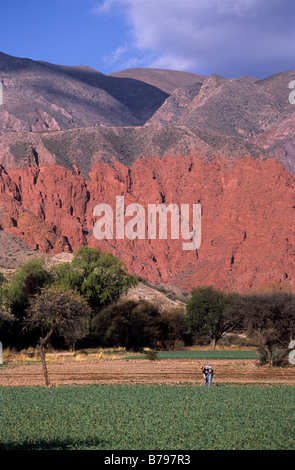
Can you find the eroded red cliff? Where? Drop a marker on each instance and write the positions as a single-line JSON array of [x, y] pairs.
[[248, 213]]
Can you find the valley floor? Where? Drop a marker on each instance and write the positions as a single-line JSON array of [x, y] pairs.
[[143, 371]]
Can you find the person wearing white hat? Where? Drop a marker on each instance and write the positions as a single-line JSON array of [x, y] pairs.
[[207, 372]]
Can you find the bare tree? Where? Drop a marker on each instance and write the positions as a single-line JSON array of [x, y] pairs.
[[57, 310], [269, 318]]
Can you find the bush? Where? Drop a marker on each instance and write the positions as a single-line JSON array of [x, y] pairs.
[[263, 357], [269, 319], [151, 355], [130, 324]]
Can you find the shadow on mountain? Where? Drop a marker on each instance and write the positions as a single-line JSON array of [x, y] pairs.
[[141, 98]]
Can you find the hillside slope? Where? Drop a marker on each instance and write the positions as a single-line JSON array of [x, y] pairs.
[[44, 97]]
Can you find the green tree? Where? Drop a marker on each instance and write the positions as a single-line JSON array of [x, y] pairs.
[[15, 296], [100, 277], [31, 277], [3, 279], [131, 324], [208, 313], [6, 322], [57, 310], [6, 319], [177, 330]]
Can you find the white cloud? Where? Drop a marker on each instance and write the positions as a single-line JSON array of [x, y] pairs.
[[104, 7], [116, 55], [229, 37]]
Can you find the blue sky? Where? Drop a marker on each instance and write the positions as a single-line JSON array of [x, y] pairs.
[[228, 37]]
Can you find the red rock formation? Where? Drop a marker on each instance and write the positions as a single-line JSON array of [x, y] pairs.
[[248, 216]]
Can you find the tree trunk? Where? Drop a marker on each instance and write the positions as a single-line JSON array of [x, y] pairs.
[[41, 344], [43, 360], [269, 356], [213, 344]]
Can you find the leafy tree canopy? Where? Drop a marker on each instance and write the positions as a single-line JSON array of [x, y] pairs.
[[100, 277], [131, 324], [207, 313], [31, 277]]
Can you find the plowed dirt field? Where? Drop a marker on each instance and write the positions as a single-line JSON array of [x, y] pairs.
[[142, 371]]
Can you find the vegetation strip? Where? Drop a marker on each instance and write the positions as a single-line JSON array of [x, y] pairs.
[[148, 417]]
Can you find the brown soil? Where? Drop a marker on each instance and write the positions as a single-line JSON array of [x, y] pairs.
[[142, 371]]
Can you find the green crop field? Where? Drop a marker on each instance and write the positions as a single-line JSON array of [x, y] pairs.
[[142, 417], [217, 354], [197, 354]]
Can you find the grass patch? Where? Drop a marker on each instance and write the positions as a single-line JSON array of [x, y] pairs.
[[31, 355], [218, 354], [200, 354], [142, 417]]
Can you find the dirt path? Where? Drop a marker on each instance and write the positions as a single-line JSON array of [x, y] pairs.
[[142, 371]]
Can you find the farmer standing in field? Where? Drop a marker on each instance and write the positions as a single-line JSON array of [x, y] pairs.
[[207, 372]]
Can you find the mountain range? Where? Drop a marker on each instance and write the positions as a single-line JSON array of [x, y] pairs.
[[71, 138]]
